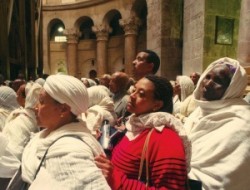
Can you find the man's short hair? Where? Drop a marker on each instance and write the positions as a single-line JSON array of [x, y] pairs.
[[153, 58]]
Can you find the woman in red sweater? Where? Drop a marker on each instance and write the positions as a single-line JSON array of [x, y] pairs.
[[150, 104]]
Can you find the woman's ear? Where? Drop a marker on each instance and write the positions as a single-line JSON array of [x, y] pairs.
[[158, 105]]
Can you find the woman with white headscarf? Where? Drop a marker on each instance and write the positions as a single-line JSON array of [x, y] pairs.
[[8, 103], [19, 127], [184, 87], [101, 107], [69, 162], [219, 129]]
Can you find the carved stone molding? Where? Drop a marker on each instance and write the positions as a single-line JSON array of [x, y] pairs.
[[130, 25], [72, 35], [102, 32], [75, 5]]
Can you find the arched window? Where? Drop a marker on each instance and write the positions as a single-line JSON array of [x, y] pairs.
[[56, 33], [114, 24], [86, 30]]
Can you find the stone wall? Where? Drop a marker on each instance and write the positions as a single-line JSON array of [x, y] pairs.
[[243, 51], [164, 34], [193, 36]]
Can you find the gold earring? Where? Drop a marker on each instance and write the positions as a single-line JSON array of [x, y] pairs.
[[61, 115]]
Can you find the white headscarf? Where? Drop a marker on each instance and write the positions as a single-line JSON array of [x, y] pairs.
[[69, 90], [40, 81], [238, 83], [8, 98], [186, 85], [101, 107], [219, 131], [90, 81], [32, 95]]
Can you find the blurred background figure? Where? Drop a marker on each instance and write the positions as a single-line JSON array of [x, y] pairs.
[[184, 87], [195, 77], [88, 82], [119, 86], [105, 79], [8, 103], [101, 108], [19, 126]]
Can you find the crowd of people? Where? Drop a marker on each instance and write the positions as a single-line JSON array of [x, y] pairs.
[[191, 133]]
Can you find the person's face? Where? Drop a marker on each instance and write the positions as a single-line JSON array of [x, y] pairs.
[[21, 95], [142, 99], [114, 84], [105, 82], [194, 77], [48, 111], [141, 66], [177, 87], [215, 83]]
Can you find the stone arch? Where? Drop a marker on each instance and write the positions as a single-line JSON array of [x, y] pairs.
[[52, 27], [112, 20], [116, 39], [84, 25], [56, 59]]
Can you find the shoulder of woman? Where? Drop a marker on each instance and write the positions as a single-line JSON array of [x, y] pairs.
[[70, 144]]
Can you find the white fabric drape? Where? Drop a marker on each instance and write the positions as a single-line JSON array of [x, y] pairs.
[[70, 162], [158, 120]]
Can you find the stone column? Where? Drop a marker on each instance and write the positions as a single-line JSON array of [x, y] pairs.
[[102, 34], [72, 42], [244, 34], [130, 27]]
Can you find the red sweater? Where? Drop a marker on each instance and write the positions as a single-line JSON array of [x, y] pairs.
[[167, 166]]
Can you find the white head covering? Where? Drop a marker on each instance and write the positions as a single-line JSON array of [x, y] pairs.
[[32, 95], [40, 81], [8, 98], [90, 81], [99, 95], [186, 85], [238, 83], [69, 90], [101, 107]]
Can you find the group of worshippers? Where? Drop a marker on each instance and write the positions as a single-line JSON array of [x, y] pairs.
[[51, 141]]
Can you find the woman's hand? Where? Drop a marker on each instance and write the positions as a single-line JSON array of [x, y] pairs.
[[119, 124], [105, 165]]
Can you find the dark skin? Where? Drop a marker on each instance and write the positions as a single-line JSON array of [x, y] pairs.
[[215, 83]]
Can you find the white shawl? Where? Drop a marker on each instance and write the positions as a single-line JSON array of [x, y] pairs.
[[69, 161], [158, 120], [220, 135], [19, 126]]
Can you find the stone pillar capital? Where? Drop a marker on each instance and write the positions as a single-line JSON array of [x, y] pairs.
[[130, 25], [102, 32], [72, 35]]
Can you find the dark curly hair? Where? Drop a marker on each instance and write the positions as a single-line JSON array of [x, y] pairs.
[[163, 91]]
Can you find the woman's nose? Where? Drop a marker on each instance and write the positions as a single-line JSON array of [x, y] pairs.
[[132, 95], [210, 82]]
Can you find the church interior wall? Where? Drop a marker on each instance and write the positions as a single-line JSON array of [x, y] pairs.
[[213, 48]]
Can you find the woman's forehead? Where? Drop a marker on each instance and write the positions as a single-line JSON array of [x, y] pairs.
[[145, 84]]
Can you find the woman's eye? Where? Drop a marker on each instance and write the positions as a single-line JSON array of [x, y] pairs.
[[142, 94]]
